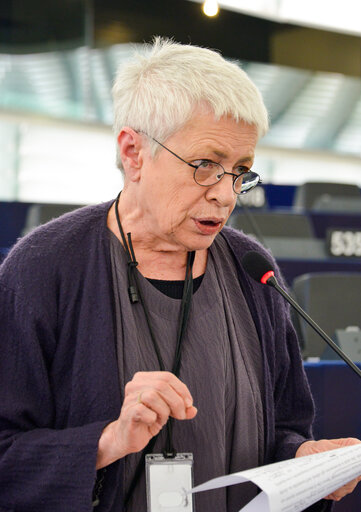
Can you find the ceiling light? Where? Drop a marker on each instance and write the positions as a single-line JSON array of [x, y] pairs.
[[210, 7]]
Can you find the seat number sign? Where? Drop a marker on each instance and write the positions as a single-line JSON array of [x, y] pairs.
[[345, 243]]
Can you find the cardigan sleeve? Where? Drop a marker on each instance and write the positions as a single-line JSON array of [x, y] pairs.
[[41, 469], [293, 403]]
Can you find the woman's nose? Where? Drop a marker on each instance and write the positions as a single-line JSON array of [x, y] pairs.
[[222, 192]]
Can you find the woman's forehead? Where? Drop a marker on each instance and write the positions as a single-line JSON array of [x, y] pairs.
[[221, 137]]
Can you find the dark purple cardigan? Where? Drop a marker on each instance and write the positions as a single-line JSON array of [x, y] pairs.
[[59, 374]]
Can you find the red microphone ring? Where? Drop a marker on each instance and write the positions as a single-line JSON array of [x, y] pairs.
[[266, 276]]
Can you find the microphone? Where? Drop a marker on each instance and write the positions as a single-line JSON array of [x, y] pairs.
[[261, 270]]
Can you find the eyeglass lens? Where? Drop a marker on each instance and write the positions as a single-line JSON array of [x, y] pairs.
[[209, 173]]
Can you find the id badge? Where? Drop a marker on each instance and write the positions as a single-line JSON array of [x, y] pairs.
[[168, 480]]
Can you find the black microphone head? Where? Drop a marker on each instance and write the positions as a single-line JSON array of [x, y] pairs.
[[257, 266]]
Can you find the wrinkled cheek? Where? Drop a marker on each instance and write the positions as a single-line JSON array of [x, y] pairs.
[[176, 223], [173, 224], [173, 216]]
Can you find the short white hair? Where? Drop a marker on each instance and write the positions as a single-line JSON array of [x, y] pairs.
[[158, 90]]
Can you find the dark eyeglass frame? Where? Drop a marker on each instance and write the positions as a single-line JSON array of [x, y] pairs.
[[196, 167]]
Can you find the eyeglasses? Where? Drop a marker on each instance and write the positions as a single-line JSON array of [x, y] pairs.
[[208, 173]]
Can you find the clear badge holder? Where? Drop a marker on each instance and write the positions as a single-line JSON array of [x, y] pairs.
[[168, 480]]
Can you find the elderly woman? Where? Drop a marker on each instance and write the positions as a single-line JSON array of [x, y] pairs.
[[130, 327]]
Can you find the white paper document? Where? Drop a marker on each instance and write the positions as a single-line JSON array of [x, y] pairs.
[[295, 484]]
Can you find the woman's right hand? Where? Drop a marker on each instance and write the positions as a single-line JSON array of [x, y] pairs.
[[150, 399]]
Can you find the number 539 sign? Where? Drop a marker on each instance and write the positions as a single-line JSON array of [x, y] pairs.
[[344, 243]]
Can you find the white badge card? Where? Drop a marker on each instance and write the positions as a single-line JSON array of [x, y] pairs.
[[168, 481]]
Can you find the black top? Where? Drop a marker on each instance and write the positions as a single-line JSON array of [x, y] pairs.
[[174, 289]]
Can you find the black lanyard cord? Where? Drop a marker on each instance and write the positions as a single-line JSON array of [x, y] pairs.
[[136, 296], [184, 312]]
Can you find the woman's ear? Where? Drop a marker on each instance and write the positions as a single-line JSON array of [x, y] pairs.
[[130, 145]]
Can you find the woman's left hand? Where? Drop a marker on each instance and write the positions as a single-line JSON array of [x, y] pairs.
[[311, 447]]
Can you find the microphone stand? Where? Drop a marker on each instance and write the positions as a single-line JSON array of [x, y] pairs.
[[272, 281]]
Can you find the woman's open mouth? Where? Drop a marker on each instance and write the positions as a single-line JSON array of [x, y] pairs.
[[208, 226]]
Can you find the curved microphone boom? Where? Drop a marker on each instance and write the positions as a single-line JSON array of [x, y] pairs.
[[261, 270]]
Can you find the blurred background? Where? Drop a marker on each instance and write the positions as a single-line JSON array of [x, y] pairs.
[[58, 59], [57, 151]]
